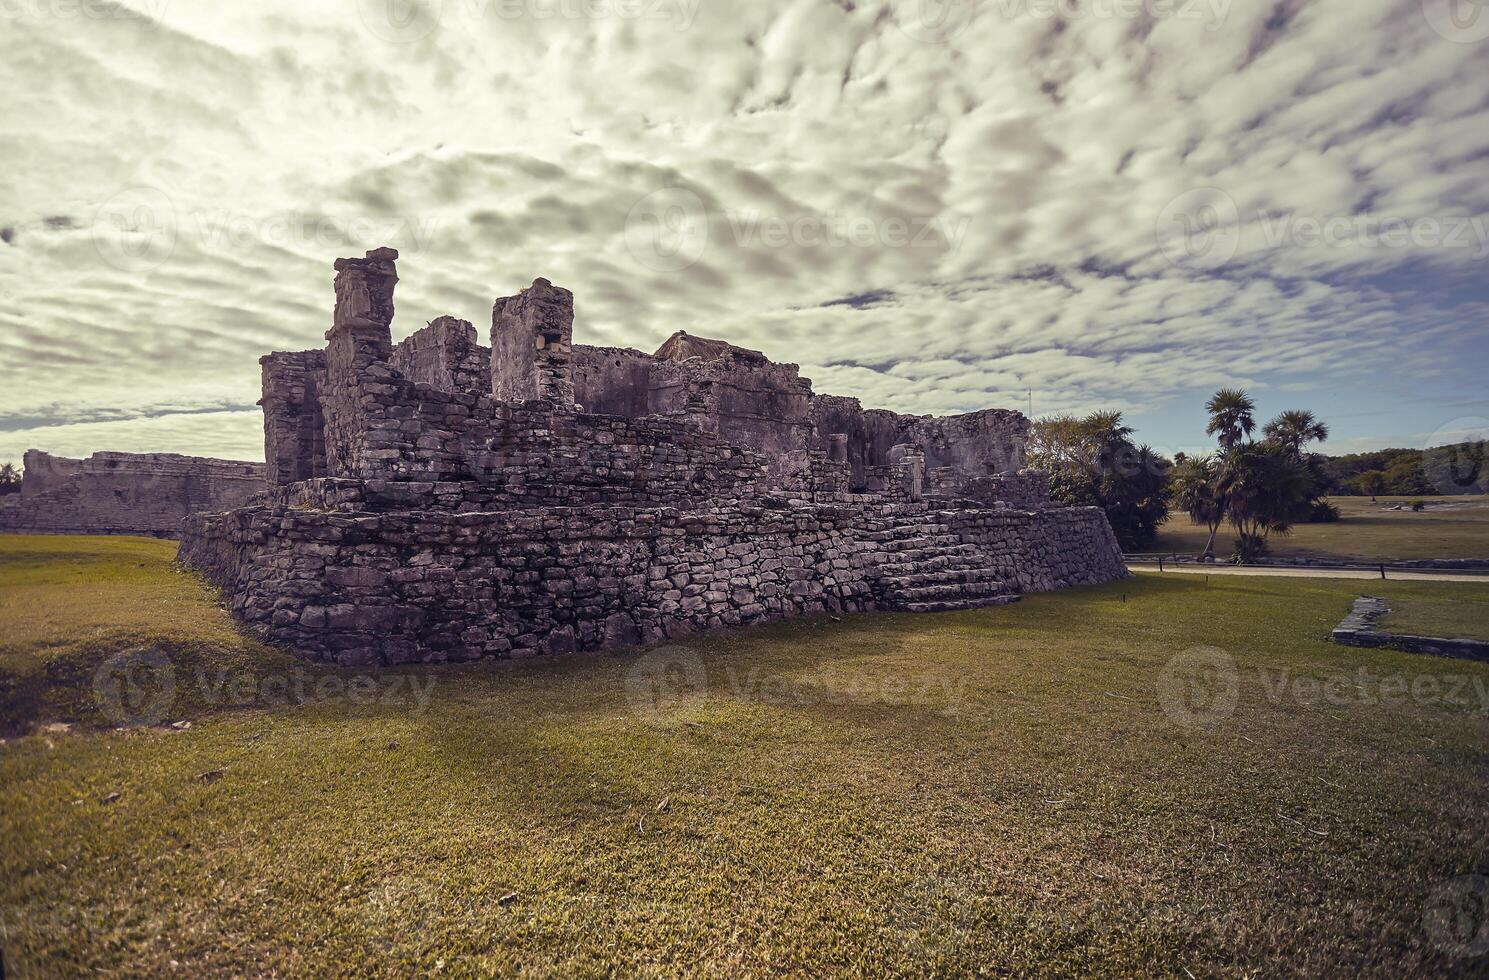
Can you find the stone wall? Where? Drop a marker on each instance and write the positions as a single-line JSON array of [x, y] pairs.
[[443, 522], [753, 402], [447, 354], [739, 395], [124, 493], [412, 586], [294, 425], [616, 381], [977, 444], [1026, 489], [532, 335]]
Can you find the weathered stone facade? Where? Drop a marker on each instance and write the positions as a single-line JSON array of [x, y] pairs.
[[596, 497], [124, 493]]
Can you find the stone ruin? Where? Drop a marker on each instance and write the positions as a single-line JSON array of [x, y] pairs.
[[439, 500], [124, 493]]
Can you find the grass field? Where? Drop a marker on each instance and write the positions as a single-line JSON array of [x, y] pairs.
[[1162, 776], [1450, 527], [1459, 616]]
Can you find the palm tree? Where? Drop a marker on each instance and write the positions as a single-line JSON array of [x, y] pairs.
[[1110, 440], [1231, 416], [1295, 429], [1267, 488], [1195, 490], [1107, 427]]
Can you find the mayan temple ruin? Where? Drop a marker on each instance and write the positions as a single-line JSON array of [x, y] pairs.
[[124, 493], [439, 500]]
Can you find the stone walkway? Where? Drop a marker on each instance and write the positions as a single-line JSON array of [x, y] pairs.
[[1392, 574]]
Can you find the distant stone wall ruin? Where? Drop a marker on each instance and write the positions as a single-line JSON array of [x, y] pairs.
[[124, 493]]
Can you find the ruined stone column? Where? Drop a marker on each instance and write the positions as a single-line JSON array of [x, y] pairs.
[[294, 426], [909, 465], [837, 447], [361, 327], [532, 337], [360, 343]]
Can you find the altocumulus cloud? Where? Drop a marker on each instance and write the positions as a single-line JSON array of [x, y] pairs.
[[936, 207]]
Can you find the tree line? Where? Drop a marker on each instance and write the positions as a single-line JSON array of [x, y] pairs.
[[1259, 487], [1460, 468]]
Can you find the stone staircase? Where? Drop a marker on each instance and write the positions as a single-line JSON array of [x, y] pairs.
[[924, 568]]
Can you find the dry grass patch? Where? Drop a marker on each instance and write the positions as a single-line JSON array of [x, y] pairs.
[[1449, 527], [1017, 790]]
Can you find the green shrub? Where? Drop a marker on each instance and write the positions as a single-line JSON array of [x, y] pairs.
[[1322, 512]]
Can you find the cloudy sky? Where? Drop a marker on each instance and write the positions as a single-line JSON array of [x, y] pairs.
[[936, 205]]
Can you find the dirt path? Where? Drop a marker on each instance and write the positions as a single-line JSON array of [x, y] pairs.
[[1392, 574]]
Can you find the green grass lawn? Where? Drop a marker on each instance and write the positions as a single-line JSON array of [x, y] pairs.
[[1465, 616], [67, 604], [1164, 776], [1450, 527]]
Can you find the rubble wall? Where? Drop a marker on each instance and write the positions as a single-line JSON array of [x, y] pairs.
[[446, 354], [125, 493], [409, 586], [615, 381]]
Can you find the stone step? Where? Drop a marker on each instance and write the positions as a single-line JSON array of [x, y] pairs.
[[958, 605], [933, 563], [915, 528], [950, 576], [934, 593], [911, 532], [922, 537], [925, 554]]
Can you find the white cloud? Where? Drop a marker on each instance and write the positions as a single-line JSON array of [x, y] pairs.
[[999, 193]]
